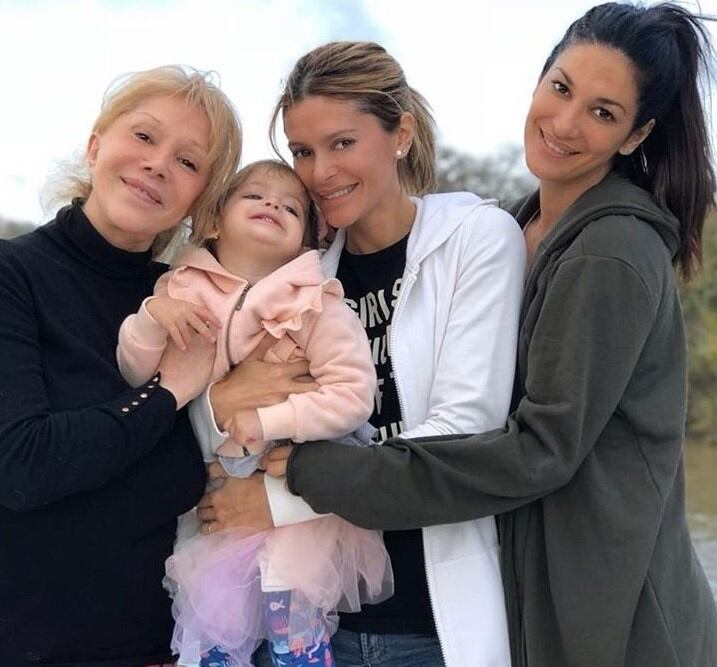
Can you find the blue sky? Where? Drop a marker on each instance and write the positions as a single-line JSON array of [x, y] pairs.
[[475, 60]]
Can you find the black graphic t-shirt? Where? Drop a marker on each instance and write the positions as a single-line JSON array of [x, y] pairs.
[[371, 284]]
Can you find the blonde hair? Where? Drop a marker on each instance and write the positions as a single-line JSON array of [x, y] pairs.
[[198, 89], [366, 74], [206, 224]]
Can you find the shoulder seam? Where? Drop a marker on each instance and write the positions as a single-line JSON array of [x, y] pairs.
[[617, 260]]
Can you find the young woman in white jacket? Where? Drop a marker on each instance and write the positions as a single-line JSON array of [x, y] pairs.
[[437, 281]]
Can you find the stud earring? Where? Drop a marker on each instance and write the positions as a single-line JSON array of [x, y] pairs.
[[399, 154]]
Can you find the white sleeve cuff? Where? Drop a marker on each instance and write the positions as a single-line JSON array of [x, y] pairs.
[[205, 428], [286, 508], [277, 421]]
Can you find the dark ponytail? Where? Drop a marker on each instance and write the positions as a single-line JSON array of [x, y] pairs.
[[671, 51]]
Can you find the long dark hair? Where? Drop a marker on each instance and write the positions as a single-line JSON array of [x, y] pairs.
[[674, 59]]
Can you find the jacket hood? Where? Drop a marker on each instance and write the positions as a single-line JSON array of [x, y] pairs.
[[614, 195], [434, 226]]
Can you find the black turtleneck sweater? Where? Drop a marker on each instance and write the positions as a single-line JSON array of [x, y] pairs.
[[92, 472]]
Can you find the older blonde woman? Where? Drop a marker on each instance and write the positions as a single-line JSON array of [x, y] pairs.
[[93, 473]]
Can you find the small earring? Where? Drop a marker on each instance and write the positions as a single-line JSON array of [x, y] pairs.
[[399, 154]]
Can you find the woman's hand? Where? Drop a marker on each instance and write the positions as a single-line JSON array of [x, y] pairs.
[[237, 503], [187, 372], [179, 318], [255, 383], [275, 460]]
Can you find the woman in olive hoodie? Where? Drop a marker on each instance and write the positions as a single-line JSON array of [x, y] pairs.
[[597, 561]]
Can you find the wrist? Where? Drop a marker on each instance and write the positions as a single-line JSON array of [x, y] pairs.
[[147, 328], [180, 397], [149, 306], [216, 396], [176, 386], [290, 480]]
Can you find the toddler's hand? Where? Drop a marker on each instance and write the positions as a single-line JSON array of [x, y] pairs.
[[179, 318], [245, 430]]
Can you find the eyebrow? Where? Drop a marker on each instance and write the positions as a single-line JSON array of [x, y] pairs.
[[330, 137], [602, 100], [204, 149], [146, 113]]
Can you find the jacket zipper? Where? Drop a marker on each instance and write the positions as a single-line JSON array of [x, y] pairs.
[[237, 307], [403, 295]]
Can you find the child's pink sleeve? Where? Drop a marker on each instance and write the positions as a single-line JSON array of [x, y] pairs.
[[142, 341], [340, 362]]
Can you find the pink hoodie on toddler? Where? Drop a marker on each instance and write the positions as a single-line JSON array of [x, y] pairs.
[[297, 305]]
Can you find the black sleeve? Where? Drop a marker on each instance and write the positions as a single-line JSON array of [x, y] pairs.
[[47, 455], [585, 345]]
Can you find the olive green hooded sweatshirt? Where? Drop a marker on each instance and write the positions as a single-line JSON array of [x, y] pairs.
[[598, 566]]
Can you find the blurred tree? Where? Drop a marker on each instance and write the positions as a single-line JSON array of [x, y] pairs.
[[10, 228], [699, 302], [502, 176]]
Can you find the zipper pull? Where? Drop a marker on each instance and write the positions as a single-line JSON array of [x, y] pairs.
[[242, 297]]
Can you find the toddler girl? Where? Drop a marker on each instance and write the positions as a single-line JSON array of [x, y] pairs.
[[252, 277]]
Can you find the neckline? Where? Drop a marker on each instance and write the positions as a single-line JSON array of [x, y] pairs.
[[79, 237], [389, 253]]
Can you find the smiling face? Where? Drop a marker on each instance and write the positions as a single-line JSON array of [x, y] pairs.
[[265, 217], [347, 160], [147, 168], [582, 114]]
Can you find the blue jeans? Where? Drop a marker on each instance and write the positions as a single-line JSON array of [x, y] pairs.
[[353, 649]]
